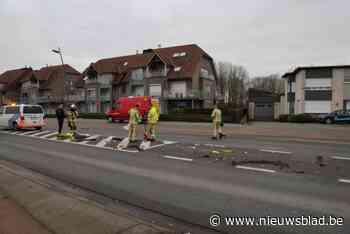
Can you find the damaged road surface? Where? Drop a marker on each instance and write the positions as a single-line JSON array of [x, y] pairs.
[[187, 191]]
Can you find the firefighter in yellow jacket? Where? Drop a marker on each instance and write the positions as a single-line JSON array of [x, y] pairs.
[[152, 119], [217, 123], [134, 120], [72, 116]]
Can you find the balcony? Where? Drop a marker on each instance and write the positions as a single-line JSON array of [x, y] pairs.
[[75, 98], [48, 99], [150, 74], [191, 94]]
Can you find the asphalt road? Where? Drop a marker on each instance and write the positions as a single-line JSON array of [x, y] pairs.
[[193, 191]]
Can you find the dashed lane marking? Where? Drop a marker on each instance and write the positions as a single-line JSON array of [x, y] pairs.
[[178, 158], [15, 132], [344, 181], [275, 151], [341, 158], [255, 169], [49, 135]]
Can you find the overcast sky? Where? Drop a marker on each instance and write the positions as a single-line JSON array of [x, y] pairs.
[[265, 36]]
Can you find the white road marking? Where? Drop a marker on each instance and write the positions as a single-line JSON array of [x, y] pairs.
[[164, 143], [49, 135], [275, 151], [104, 141], [344, 181], [16, 132], [255, 169], [88, 139], [29, 133], [341, 158], [212, 145], [36, 134], [178, 158]]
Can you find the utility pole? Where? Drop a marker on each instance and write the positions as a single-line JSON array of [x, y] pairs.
[[59, 51]]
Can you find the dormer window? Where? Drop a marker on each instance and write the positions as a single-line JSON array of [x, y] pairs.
[[125, 63], [181, 54], [177, 69]]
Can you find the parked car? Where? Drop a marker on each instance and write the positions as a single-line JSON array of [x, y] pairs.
[[339, 116], [120, 111], [22, 116]]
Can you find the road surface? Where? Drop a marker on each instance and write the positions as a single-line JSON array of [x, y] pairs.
[[191, 188]]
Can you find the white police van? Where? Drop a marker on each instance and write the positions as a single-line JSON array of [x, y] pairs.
[[22, 116]]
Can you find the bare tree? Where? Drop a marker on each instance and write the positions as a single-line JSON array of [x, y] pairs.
[[272, 83], [232, 80]]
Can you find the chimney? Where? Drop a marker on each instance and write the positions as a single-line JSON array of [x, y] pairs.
[[159, 45]]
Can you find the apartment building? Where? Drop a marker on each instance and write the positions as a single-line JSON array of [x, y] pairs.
[[179, 76], [47, 86], [320, 89]]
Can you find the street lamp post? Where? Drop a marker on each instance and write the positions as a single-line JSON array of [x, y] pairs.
[[59, 51]]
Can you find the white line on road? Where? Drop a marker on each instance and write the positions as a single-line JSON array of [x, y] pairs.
[[93, 137], [29, 133], [341, 158], [178, 158], [104, 141], [275, 151], [255, 169], [36, 134], [212, 145], [49, 135], [344, 181], [16, 132]]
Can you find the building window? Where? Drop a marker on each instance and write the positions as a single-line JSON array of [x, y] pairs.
[[319, 73], [155, 90], [179, 54], [91, 93], [123, 89], [177, 69]]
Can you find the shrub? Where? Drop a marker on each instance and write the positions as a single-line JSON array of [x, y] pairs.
[[283, 118]]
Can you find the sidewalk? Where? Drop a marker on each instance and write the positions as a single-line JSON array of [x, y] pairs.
[[30, 206], [15, 220]]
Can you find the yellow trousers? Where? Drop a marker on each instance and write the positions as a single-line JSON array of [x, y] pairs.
[[132, 132], [217, 128], [151, 130]]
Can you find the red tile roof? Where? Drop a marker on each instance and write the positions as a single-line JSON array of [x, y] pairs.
[[12, 77], [124, 64]]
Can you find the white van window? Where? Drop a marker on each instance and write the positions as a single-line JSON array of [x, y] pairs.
[[12, 110], [32, 110]]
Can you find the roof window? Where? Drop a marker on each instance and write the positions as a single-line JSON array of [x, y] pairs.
[[177, 69]]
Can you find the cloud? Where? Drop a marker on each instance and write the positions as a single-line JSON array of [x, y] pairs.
[[264, 36]]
